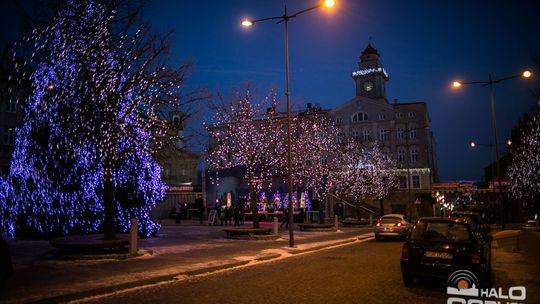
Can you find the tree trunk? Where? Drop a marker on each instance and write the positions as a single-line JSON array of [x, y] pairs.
[[254, 209], [321, 217], [358, 213], [108, 204]]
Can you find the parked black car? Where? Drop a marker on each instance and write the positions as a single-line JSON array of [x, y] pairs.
[[437, 246], [476, 220]]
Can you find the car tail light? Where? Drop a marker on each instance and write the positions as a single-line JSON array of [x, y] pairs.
[[405, 252], [378, 224], [475, 258], [399, 224]]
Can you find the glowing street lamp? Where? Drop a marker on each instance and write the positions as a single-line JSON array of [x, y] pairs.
[[248, 23], [490, 82]]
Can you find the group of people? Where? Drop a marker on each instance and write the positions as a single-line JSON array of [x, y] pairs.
[[229, 213]]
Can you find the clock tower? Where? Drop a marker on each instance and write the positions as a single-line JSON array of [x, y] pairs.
[[370, 77]]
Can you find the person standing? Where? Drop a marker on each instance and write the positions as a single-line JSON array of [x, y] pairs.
[[200, 206], [285, 217], [178, 210]]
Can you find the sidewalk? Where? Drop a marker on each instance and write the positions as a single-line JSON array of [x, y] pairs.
[[176, 251], [521, 267]]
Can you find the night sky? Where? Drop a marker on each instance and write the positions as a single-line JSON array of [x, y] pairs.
[[424, 45]]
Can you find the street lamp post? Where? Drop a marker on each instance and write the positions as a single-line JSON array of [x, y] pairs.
[[490, 82], [285, 19]]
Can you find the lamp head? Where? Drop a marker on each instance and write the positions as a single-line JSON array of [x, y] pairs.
[[526, 74], [456, 84], [247, 23], [329, 3]]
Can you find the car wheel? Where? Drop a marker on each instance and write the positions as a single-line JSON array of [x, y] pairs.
[[408, 279], [377, 237]]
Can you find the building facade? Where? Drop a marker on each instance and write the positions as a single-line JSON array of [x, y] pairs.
[[401, 128]]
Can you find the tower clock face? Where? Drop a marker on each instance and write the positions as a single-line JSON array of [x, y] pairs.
[[368, 86]]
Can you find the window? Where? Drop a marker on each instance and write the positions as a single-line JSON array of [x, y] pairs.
[[401, 155], [308, 162], [399, 115], [414, 154], [400, 133], [367, 135], [402, 182], [9, 137], [12, 106], [416, 181], [382, 116], [383, 134], [356, 135], [385, 155], [411, 114], [413, 133], [359, 116], [339, 120]]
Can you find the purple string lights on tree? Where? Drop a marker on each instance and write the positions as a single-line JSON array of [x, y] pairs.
[[83, 156]]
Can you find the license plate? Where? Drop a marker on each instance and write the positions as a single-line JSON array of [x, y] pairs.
[[388, 229], [438, 255]]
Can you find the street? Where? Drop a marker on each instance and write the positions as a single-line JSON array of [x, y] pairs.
[[359, 273]]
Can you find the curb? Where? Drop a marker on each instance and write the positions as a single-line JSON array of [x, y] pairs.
[[174, 277]]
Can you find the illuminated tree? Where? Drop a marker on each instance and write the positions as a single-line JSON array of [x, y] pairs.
[[246, 135], [524, 171], [83, 157], [363, 173], [313, 147]]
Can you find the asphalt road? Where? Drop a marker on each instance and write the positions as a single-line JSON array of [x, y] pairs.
[[365, 272]]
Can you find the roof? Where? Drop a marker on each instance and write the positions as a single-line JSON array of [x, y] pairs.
[[370, 50]]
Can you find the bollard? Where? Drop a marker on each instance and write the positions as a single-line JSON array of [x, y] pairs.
[[275, 227], [133, 248], [371, 220], [336, 222]]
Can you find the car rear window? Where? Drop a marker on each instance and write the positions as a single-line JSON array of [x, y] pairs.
[[441, 232], [390, 219]]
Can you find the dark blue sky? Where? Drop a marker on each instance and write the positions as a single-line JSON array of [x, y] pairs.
[[424, 45]]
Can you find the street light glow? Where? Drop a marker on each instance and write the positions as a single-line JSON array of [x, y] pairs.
[[509, 142], [247, 23], [526, 74], [329, 3], [456, 84], [473, 144]]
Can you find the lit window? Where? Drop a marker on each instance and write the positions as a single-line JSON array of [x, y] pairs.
[[359, 116], [416, 181]]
